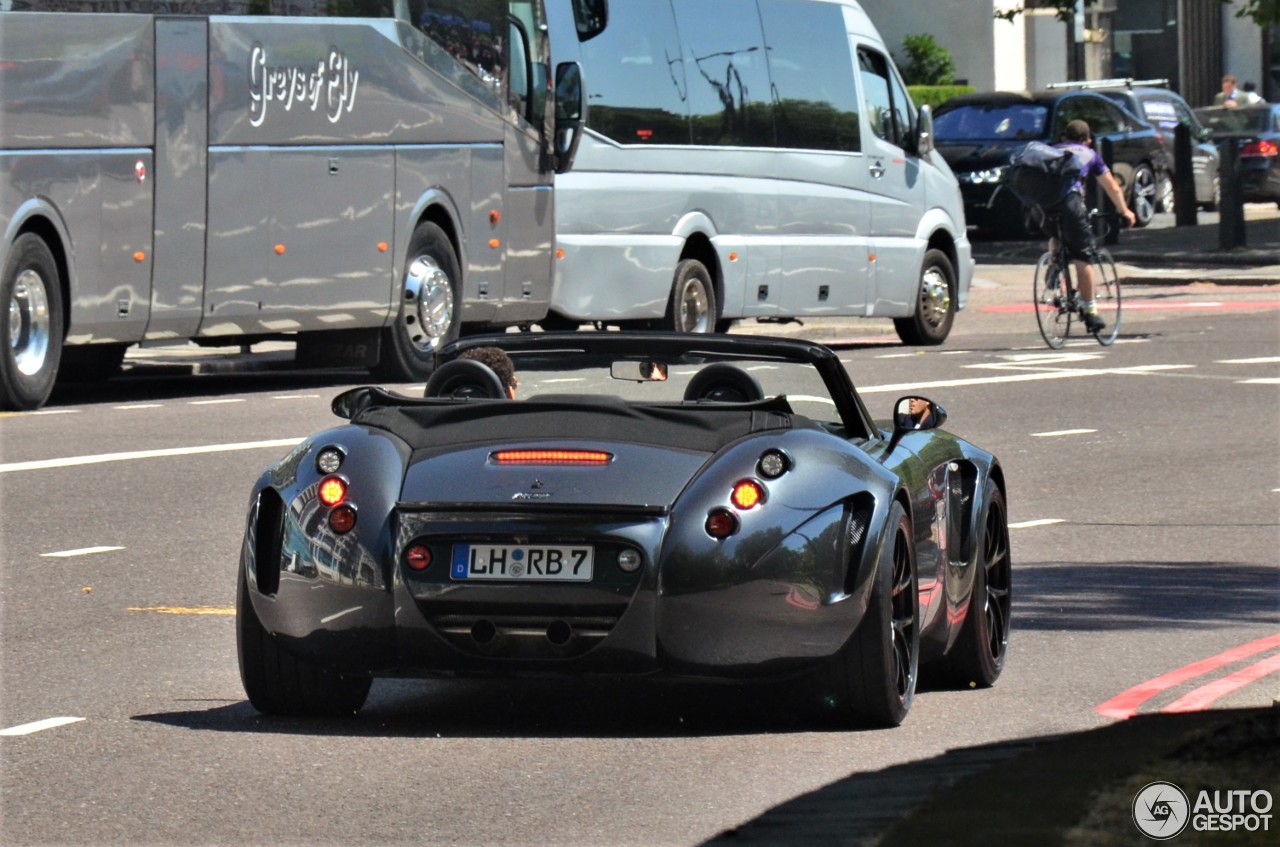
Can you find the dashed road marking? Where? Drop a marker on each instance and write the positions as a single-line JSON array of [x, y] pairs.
[[1035, 523], [38, 726], [1261, 360], [1259, 381], [140, 406], [185, 610], [217, 402], [1057, 432], [82, 551]]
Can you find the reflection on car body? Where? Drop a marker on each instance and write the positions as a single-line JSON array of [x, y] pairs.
[[709, 507]]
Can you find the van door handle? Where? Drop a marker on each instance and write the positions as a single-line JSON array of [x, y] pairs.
[[877, 170]]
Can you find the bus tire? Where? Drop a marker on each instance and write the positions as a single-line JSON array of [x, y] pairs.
[[935, 303], [430, 309], [692, 307], [32, 289]]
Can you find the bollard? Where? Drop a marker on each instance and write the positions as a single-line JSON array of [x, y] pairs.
[[1231, 233], [1184, 178]]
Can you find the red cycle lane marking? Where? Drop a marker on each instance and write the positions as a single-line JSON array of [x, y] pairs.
[[1143, 306], [1206, 695], [1126, 703]]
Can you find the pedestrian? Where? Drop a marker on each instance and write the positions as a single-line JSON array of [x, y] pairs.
[[1229, 96]]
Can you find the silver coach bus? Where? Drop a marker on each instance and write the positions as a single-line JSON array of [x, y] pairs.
[[753, 159], [364, 176]]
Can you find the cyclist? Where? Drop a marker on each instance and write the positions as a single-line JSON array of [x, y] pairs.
[[1073, 214]]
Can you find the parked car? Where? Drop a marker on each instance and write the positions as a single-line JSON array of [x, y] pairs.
[[1256, 129], [702, 506], [1165, 110], [976, 133]]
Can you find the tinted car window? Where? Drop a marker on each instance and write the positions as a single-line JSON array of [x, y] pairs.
[[635, 77], [811, 69], [990, 122], [725, 66], [1103, 116]]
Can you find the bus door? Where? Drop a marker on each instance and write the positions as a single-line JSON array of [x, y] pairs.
[[300, 178], [896, 182], [528, 224]]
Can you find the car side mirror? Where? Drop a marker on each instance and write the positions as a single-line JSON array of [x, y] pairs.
[[924, 131], [569, 114], [913, 413]]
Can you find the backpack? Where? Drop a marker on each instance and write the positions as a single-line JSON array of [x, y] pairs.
[[1041, 175]]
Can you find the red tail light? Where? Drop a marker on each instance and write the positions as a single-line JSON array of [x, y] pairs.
[[721, 523], [418, 557], [551, 457], [1260, 148], [342, 519]]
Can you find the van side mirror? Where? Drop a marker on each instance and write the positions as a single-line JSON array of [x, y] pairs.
[[924, 131], [591, 17], [569, 111]]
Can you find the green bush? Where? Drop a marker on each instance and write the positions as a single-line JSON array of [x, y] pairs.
[[927, 62], [936, 95]]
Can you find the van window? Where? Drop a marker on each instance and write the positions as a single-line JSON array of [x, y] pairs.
[[815, 103], [728, 76], [635, 77], [889, 110]]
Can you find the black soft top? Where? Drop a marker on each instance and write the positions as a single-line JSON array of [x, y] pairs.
[[440, 425]]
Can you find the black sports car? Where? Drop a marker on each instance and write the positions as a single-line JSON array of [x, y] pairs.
[[711, 506]]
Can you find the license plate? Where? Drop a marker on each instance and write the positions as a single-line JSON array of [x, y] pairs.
[[525, 562]]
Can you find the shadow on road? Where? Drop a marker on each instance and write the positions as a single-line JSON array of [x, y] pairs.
[[1131, 595]]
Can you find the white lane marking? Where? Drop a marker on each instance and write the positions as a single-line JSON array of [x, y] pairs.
[[564, 379], [955, 352], [1261, 360], [140, 406], [1259, 381], [216, 402], [295, 396], [1040, 522], [82, 551], [56, 412], [72, 461], [991, 380], [38, 726], [334, 617], [894, 356], [1058, 432]]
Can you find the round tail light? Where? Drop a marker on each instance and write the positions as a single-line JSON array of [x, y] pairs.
[[418, 557], [721, 523], [342, 519]]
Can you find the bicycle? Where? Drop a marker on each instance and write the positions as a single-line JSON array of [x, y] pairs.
[[1057, 302]]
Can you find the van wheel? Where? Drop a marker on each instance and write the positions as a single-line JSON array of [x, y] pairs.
[[935, 307], [693, 299], [33, 336], [430, 313]]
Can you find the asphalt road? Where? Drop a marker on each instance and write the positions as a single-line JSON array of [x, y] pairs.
[[1144, 492]]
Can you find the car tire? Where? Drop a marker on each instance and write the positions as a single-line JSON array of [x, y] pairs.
[[872, 680], [32, 344], [978, 656], [430, 309], [935, 303], [279, 682], [1142, 195], [692, 307], [1165, 200]]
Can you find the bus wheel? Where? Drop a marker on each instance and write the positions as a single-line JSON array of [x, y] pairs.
[[693, 300], [33, 339], [430, 314], [935, 303]]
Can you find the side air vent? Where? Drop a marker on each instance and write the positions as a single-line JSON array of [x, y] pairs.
[[267, 537]]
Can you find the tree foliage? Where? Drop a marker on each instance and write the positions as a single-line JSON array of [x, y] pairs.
[[928, 62], [1263, 12]]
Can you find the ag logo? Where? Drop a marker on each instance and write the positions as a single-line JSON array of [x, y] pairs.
[[1161, 810]]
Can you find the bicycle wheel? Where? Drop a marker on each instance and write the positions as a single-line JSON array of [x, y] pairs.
[[1052, 314], [1106, 290]]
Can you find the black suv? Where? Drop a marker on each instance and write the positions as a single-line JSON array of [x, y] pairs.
[[976, 133], [1165, 109]]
